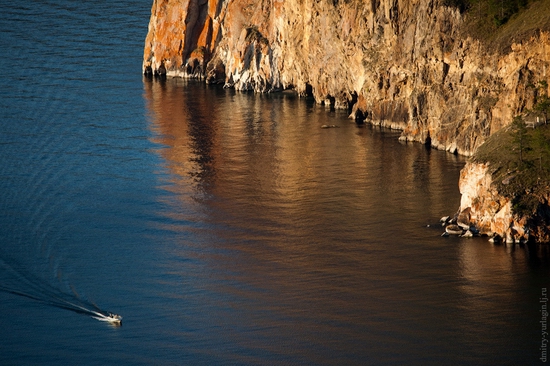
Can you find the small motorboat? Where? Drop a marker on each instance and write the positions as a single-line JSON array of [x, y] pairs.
[[454, 230], [114, 319]]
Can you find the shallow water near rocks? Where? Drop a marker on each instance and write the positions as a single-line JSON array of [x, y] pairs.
[[226, 227]]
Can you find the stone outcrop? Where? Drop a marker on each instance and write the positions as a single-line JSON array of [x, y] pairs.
[[491, 213], [406, 65], [400, 64]]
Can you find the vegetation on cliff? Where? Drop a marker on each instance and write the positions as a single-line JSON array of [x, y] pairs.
[[519, 160], [499, 23]]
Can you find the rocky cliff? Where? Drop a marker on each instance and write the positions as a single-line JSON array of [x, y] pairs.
[[409, 65], [482, 206], [402, 64], [490, 212]]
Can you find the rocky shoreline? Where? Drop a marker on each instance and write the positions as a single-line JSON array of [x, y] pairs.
[[484, 211], [404, 65]]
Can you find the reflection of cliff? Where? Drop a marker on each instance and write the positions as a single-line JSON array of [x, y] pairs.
[[403, 64], [488, 277], [185, 126], [269, 153]]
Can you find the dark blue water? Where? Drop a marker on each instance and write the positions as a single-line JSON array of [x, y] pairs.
[[226, 228]]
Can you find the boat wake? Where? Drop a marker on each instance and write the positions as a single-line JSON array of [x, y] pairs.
[[38, 290]]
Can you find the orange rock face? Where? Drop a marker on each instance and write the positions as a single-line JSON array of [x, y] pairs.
[[178, 31], [492, 213], [406, 62]]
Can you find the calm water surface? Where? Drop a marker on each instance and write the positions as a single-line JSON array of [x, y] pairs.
[[226, 228]]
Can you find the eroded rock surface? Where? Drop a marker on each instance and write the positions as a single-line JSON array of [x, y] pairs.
[[401, 64], [491, 212]]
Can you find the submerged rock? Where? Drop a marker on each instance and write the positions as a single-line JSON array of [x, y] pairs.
[[467, 234], [495, 239]]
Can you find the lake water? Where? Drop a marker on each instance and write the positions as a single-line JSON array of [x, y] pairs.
[[227, 228]]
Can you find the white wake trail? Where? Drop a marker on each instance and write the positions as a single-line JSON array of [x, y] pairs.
[[32, 287]]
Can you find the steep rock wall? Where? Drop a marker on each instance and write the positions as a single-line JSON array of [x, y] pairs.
[[401, 64], [485, 208], [491, 212]]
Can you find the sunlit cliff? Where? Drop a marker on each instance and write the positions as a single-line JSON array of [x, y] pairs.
[[403, 64], [415, 66]]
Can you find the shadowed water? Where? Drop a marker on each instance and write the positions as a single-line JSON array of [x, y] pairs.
[[225, 227]]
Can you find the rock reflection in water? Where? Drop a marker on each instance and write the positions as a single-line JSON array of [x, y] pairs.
[[304, 244]]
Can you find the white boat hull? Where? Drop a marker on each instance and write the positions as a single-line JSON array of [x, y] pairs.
[[111, 318]]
